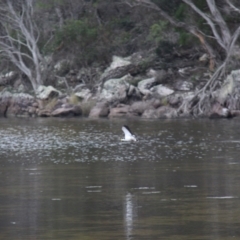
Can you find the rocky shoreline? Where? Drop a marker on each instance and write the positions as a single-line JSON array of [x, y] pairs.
[[127, 88]]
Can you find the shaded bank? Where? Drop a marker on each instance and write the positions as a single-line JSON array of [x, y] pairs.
[[129, 87]]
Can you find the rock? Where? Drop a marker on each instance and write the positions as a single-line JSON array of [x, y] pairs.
[[162, 112], [161, 76], [145, 85], [161, 91], [43, 113], [3, 109], [120, 111], [235, 113], [5, 98], [118, 62], [48, 92], [68, 111], [115, 89], [228, 94], [100, 110], [137, 108], [16, 104], [183, 85], [176, 99], [204, 58], [62, 67], [219, 111], [156, 103], [84, 94], [8, 78], [118, 68], [133, 92]]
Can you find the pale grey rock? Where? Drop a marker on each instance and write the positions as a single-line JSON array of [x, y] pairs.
[[145, 85], [48, 92], [160, 91], [115, 89], [183, 85], [84, 94]]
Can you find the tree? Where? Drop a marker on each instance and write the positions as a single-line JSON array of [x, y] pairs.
[[220, 33], [19, 37]]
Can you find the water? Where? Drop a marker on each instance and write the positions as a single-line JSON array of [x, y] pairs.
[[73, 179]]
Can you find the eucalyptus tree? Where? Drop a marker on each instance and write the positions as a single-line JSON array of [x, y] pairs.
[[19, 37], [220, 36]]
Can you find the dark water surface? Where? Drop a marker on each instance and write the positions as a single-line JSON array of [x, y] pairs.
[[73, 179]]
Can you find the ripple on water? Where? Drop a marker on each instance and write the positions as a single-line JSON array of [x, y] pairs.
[[66, 145]]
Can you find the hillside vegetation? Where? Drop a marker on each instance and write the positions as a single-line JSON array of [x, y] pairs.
[[45, 42]]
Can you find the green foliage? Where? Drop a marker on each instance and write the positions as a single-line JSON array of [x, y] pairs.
[[156, 31], [76, 31], [123, 23], [87, 107], [48, 4], [50, 104], [169, 6], [180, 13], [185, 38], [73, 99], [164, 47], [164, 101], [78, 36]]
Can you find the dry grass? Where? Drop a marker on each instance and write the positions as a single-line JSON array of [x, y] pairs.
[[50, 104], [87, 106], [73, 99]]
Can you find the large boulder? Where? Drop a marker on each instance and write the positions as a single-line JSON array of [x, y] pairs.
[[17, 104], [118, 68], [121, 110], [181, 85], [48, 92], [145, 85], [22, 104], [161, 112], [228, 94], [137, 108], [115, 89], [5, 98], [218, 111], [83, 93], [100, 110], [161, 91]]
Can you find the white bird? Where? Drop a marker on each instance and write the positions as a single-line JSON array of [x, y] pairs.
[[128, 134]]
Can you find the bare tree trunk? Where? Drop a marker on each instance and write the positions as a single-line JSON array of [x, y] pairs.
[[18, 39]]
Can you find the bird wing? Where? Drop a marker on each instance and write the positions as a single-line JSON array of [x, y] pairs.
[[127, 132]]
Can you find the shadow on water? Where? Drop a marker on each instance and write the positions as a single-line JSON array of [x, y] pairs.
[[75, 179]]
